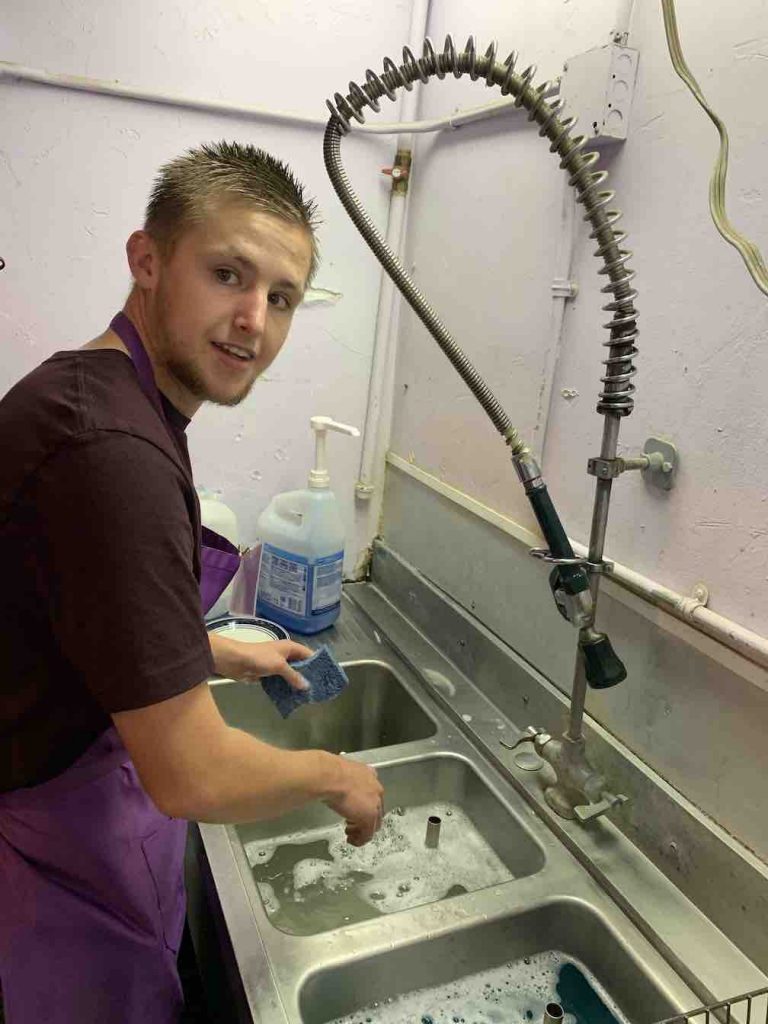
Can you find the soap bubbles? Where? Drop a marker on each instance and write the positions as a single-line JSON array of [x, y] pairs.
[[395, 871], [516, 991]]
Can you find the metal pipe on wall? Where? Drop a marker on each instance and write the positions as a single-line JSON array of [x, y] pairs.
[[562, 291], [375, 431], [97, 86], [623, 21], [596, 550]]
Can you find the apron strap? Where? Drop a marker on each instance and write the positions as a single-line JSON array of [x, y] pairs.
[[219, 558], [127, 333]]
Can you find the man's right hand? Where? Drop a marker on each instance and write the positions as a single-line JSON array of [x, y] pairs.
[[359, 800]]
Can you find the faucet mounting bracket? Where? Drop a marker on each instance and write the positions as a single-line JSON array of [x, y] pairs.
[[662, 463], [606, 469], [658, 464], [545, 555]]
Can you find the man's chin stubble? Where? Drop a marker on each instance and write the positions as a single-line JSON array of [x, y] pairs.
[[195, 384]]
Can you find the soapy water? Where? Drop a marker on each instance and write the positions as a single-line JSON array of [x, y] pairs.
[[314, 881], [515, 993]]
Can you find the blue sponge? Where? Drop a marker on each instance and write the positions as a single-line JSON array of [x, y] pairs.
[[324, 674]]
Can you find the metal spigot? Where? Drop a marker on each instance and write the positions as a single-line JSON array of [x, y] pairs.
[[579, 791]]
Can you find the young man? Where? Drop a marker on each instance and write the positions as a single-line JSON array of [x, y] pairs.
[[111, 740]]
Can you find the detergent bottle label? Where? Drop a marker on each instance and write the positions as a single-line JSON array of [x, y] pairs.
[[326, 582], [284, 580], [298, 585]]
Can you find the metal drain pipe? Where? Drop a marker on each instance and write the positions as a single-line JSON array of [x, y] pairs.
[[553, 1014], [432, 838]]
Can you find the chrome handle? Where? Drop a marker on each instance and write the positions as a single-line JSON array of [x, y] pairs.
[[531, 734], [587, 812]]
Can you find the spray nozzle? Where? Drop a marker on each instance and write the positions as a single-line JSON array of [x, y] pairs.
[[319, 477]]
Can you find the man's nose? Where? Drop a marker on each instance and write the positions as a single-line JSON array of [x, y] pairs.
[[251, 318]]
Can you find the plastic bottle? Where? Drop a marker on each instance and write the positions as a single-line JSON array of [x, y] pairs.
[[302, 537]]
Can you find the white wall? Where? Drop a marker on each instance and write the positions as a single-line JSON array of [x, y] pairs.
[[76, 170], [484, 220]]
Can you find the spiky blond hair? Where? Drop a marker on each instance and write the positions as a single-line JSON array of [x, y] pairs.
[[187, 188]]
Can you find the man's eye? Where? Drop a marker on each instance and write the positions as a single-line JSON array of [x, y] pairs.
[[281, 301], [226, 276]]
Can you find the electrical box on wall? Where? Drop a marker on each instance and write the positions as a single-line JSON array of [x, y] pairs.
[[598, 87]]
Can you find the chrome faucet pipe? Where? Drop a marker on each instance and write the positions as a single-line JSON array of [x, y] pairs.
[[608, 449], [573, 583], [578, 700]]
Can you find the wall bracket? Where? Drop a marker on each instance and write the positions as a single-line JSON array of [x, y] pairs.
[[658, 464]]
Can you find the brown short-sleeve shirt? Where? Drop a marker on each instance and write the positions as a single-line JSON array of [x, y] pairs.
[[99, 560]]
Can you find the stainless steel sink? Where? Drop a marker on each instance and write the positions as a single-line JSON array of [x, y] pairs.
[[374, 711], [567, 926], [437, 745], [476, 818]]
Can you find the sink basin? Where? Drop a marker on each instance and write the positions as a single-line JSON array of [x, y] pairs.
[[566, 930], [310, 881], [374, 711]]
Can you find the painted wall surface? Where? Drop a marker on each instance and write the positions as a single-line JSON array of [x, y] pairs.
[[76, 170], [484, 220]]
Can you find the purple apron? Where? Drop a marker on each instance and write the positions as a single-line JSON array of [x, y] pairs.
[[92, 899], [219, 559]]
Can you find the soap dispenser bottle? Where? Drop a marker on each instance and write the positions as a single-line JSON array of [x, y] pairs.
[[302, 554]]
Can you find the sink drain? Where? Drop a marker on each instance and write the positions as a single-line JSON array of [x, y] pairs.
[[553, 1014]]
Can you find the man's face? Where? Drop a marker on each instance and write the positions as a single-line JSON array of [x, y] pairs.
[[224, 303]]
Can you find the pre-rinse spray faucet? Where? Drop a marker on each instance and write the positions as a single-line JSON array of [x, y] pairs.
[[579, 791]]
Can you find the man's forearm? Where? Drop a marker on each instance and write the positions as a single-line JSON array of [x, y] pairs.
[[195, 766], [247, 780]]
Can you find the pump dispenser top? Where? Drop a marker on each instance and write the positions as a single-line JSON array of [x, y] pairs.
[[318, 477]]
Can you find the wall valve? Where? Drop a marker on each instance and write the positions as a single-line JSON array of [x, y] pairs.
[[397, 173], [400, 171]]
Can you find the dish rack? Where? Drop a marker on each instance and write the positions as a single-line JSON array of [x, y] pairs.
[[752, 1008]]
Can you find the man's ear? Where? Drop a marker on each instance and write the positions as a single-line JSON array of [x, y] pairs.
[[143, 259]]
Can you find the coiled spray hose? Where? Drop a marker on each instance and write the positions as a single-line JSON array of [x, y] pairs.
[[603, 668]]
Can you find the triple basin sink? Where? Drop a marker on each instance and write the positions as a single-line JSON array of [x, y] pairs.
[[496, 901]]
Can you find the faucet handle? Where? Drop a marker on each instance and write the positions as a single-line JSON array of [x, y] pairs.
[[531, 734], [587, 812]]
